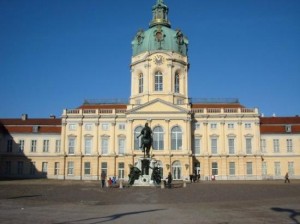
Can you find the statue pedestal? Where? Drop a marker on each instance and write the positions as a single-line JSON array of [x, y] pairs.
[[146, 165]]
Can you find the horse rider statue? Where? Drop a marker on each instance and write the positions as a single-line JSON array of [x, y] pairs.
[[146, 139]]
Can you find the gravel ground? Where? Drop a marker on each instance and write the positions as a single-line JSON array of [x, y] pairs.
[[221, 202]]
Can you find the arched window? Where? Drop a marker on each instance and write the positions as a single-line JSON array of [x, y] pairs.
[[137, 141], [176, 170], [141, 83], [176, 84], [158, 85], [158, 138], [176, 138]]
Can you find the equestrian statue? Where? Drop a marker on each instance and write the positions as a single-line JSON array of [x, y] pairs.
[[146, 140]]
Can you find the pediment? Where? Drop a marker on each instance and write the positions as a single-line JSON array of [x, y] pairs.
[[158, 106]]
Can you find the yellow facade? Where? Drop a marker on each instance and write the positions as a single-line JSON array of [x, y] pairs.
[[219, 140]]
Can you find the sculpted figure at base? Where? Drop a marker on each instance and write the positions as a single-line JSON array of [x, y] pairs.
[[146, 139], [134, 174]]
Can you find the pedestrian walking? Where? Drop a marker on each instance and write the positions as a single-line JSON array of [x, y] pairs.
[[103, 179], [286, 178]]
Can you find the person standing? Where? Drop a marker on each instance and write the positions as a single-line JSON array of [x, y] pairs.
[[286, 178], [169, 178], [103, 179]]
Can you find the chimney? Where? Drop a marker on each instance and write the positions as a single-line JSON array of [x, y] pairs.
[[24, 117], [52, 116]]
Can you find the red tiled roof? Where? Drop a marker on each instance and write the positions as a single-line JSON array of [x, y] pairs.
[[103, 106], [280, 120], [34, 121], [277, 125], [28, 129], [218, 105], [45, 125]]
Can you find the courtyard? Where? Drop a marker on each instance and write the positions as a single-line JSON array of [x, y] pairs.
[[221, 202]]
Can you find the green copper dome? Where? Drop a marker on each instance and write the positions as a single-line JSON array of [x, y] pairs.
[[160, 36]]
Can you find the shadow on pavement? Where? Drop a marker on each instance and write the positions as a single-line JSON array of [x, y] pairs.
[[108, 218], [292, 213]]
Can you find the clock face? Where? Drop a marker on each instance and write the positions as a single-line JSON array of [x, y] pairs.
[[158, 59]]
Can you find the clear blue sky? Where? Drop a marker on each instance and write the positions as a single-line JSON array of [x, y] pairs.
[[56, 53]]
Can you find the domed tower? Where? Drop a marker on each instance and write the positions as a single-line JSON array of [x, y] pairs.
[[159, 64]]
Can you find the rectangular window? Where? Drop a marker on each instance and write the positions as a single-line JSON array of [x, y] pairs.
[[158, 140], [105, 126], [121, 145], [263, 146], [87, 168], [46, 146], [122, 126], [213, 126], [21, 146], [277, 169], [20, 167], [70, 168], [56, 168], [231, 126], [197, 145], [249, 168], [121, 170], [231, 146], [276, 145], [9, 145], [196, 125], [72, 127], [35, 129], [32, 168], [44, 168], [248, 145], [289, 145], [88, 127], [214, 168], [288, 128], [141, 83], [180, 102], [291, 168], [104, 167], [214, 146], [33, 145], [71, 146], [158, 86], [104, 146], [247, 125], [57, 145], [87, 146], [231, 168], [264, 169]]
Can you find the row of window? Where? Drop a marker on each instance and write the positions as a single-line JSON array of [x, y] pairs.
[[89, 126], [176, 168], [197, 125], [122, 126], [249, 168], [33, 145], [158, 82], [276, 145]]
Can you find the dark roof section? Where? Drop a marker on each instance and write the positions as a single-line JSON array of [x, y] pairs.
[[216, 105], [279, 125], [37, 125], [103, 106]]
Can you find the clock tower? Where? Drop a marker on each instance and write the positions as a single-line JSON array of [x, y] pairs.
[[159, 64]]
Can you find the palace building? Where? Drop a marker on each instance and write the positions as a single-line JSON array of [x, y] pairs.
[[220, 138]]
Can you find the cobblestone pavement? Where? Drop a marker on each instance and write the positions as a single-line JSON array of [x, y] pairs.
[[221, 202]]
